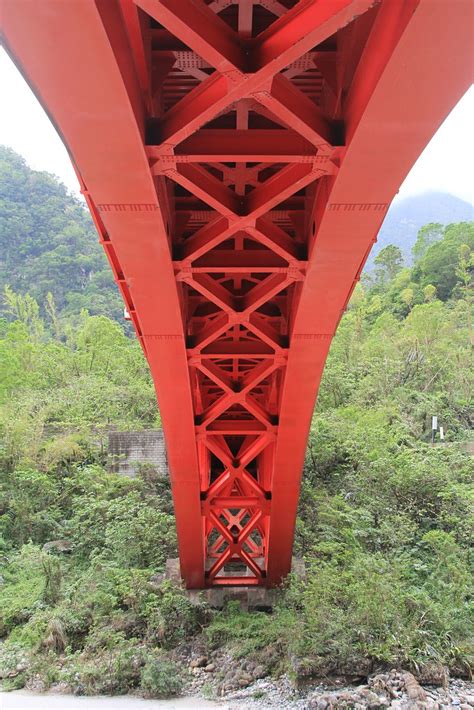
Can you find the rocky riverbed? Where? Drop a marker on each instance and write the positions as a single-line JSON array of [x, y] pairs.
[[218, 678], [399, 690]]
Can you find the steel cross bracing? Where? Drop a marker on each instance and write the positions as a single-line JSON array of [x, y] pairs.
[[239, 271], [238, 157]]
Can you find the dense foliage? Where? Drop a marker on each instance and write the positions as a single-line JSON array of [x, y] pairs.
[[385, 519]]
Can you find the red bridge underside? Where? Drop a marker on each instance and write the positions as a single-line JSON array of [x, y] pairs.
[[238, 158]]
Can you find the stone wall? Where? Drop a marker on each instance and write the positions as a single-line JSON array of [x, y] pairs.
[[129, 449]]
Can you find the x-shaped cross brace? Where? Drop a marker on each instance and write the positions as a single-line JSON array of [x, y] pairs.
[[253, 498], [245, 69]]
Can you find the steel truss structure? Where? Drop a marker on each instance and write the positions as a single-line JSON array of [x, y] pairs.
[[238, 158]]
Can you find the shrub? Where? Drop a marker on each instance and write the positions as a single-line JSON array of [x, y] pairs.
[[127, 530], [160, 677], [22, 593], [397, 611], [108, 672], [14, 662], [171, 617]]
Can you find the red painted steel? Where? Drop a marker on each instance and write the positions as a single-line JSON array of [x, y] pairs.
[[238, 158]]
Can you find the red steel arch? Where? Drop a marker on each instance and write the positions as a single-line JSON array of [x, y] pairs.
[[238, 158]]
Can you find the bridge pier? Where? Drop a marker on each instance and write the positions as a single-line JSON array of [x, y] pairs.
[[250, 598]]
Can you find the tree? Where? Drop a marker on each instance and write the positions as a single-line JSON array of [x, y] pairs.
[[389, 262], [50, 308], [429, 234], [407, 296], [25, 309], [441, 262], [429, 292], [464, 271]]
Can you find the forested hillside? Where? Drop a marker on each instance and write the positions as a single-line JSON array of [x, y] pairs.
[[49, 244], [385, 520]]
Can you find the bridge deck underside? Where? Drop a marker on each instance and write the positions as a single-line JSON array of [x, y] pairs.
[[238, 157]]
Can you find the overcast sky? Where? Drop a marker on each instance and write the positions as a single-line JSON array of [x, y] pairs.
[[446, 164]]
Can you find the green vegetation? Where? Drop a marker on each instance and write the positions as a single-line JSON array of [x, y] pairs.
[[385, 521]]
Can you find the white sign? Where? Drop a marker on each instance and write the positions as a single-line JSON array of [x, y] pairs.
[[434, 424], [441, 433]]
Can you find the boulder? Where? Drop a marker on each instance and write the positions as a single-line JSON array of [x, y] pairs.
[[199, 662]]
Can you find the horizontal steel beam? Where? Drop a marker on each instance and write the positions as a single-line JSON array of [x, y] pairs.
[[210, 145]]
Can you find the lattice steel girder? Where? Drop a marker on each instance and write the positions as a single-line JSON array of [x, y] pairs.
[[236, 245]]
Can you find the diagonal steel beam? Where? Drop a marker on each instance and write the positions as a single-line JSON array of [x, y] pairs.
[[303, 27], [264, 291], [210, 332], [217, 374], [212, 290], [259, 373], [293, 108], [200, 29], [270, 235], [205, 186], [283, 184]]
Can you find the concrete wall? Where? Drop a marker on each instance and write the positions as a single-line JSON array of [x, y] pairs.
[[129, 449]]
